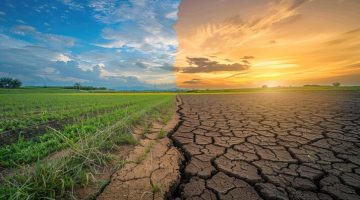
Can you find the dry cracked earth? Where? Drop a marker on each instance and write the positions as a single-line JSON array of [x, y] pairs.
[[295, 145]]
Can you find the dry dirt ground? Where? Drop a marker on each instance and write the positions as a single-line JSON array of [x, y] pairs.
[[151, 171], [294, 145]]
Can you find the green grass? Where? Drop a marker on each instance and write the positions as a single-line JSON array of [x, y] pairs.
[[22, 110], [32, 90], [147, 150], [91, 142], [155, 187], [161, 134], [28, 151], [146, 130]]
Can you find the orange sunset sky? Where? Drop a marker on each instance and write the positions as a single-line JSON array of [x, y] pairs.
[[249, 43]]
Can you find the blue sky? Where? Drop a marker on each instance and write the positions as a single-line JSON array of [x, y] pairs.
[[113, 43]]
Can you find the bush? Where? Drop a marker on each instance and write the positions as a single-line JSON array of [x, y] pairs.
[[336, 84]]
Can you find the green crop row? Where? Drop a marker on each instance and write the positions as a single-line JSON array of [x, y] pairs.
[[27, 151], [56, 178], [20, 111]]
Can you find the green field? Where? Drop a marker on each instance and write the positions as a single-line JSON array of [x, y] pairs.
[[36, 123]]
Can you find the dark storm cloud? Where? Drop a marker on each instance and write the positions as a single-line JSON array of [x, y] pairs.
[[205, 65]]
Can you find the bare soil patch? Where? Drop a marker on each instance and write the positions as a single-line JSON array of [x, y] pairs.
[[151, 170]]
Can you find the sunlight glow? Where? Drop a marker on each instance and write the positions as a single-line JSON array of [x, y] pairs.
[[249, 43]]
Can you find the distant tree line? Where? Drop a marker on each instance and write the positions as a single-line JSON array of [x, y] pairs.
[[6, 82], [335, 84], [78, 86]]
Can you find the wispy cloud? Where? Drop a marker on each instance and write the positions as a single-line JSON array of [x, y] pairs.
[[47, 38], [9, 42], [232, 32], [193, 81], [62, 58], [172, 15]]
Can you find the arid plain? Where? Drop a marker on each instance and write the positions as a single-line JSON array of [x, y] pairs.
[[295, 145]]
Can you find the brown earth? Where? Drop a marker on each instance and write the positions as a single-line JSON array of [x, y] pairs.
[[151, 170], [294, 145]]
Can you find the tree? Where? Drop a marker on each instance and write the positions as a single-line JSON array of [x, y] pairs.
[[264, 86], [15, 83], [77, 86], [6, 82], [336, 84]]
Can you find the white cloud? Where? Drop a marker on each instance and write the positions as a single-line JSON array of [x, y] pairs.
[[62, 58], [141, 31], [2, 13], [49, 71], [20, 21], [136, 31], [102, 65], [23, 30], [72, 4], [146, 25], [172, 15]]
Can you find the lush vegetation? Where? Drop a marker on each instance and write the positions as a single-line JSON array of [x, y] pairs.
[[92, 126], [6, 82], [22, 110]]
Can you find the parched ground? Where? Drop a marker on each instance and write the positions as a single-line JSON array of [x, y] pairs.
[[294, 145], [151, 170]]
